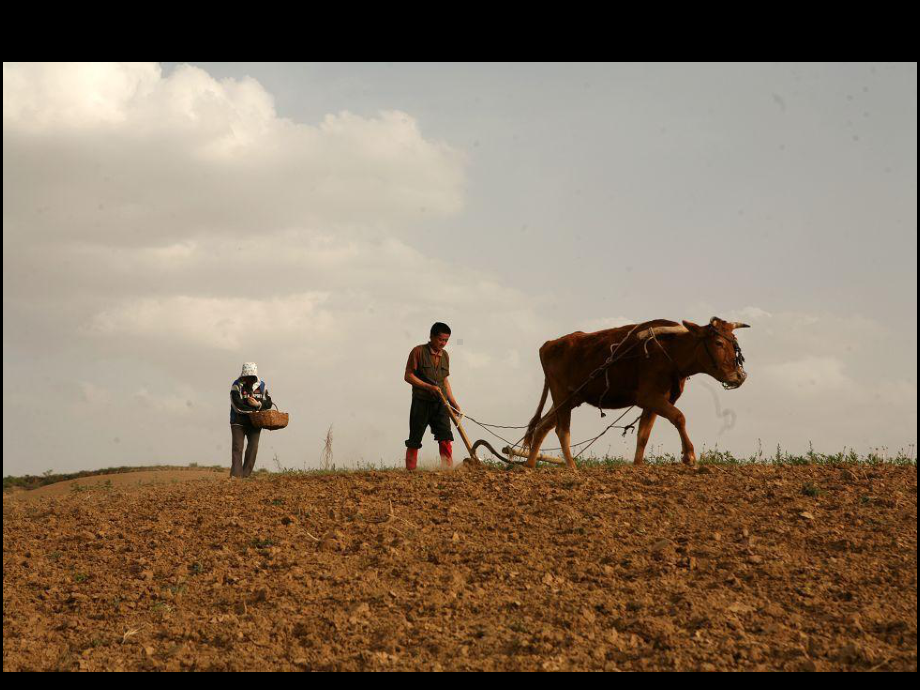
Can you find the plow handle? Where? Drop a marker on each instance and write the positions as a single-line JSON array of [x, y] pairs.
[[456, 421]]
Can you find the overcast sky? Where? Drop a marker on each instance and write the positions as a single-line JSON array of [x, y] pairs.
[[163, 223]]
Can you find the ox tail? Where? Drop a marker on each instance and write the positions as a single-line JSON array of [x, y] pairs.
[[532, 426]]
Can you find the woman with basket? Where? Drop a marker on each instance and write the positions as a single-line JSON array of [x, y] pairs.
[[248, 394]]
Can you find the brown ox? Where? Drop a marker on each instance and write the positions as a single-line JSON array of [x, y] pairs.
[[649, 365]]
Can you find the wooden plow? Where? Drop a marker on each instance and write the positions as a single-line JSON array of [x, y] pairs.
[[507, 454]]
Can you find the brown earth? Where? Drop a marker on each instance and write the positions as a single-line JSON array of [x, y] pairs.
[[651, 568], [121, 480]]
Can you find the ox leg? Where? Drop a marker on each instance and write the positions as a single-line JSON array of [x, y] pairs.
[[676, 417], [539, 435], [564, 432], [646, 422]]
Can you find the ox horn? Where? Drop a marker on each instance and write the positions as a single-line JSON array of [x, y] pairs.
[[738, 324]]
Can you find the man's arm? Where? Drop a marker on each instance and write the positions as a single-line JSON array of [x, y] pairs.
[[414, 380]]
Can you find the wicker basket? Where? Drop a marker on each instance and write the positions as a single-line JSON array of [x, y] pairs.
[[269, 419]]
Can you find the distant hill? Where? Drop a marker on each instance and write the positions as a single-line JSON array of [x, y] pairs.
[[32, 481]]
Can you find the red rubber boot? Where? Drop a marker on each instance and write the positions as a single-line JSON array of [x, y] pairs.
[[411, 459], [447, 454]]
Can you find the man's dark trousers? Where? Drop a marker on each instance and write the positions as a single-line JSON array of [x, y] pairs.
[[424, 413]]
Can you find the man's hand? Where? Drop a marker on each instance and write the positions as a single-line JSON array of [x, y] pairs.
[[253, 402], [456, 407], [434, 389]]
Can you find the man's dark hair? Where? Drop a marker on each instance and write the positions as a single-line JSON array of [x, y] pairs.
[[439, 328]]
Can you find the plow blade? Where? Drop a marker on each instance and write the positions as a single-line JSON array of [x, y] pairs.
[[509, 451]]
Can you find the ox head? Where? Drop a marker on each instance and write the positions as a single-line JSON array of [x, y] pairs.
[[719, 354]]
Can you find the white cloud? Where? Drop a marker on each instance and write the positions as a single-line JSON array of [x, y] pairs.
[[121, 154], [93, 394], [219, 323], [171, 255], [607, 322], [176, 403], [40, 96], [751, 313], [812, 375], [470, 359]]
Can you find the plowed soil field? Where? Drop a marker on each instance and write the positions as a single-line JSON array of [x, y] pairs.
[[648, 568]]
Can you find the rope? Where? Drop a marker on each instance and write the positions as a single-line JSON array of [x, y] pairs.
[[493, 426], [513, 445], [610, 426], [631, 425]]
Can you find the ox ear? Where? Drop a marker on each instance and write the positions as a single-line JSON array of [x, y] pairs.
[[696, 330]]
